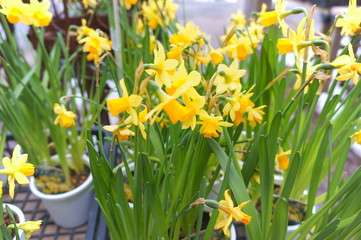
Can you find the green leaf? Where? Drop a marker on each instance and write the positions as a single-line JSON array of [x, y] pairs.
[[239, 189]]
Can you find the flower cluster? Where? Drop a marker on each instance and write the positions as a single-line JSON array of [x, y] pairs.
[[184, 99], [96, 42], [159, 12], [34, 13]]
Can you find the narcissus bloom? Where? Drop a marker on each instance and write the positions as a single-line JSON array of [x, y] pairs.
[[28, 227], [90, 3], [211, 126], [194, 106], [34, 13], [161, 67], [348, 67], [282, 158], [126, 103], [296, 41], [276, 16], [159, 12], [84, 30], [1, 189], [182, 81], [122, 133], [17, 168], [357, 137], [216, 57], [227, 212], [255, 115], [351, 20], [65, 118], [95, 44], [228, 77]]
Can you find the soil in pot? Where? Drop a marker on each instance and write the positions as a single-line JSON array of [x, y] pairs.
[[7, 220], [51, 180]]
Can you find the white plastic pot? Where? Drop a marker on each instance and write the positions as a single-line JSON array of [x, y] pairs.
[[70, 209], [17, 211]]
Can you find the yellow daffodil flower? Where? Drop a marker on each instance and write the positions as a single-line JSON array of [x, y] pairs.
[[162, 68], [65, 118], [34, 13], [175, 110], [95, 44], [1, 189], [211, 126], [348, 67], [356, 137], [351, 20], [141, 118], [28, 227], [84, 30], [282, 158], [240, 47], [255, 115], [227, 212], [216, 56], [89, 3], [182, 81], [194, 106], [228, 77], [126, 103], [238, 20], [121, 133], [276, 16], [17, 168], [129, 3], [297, 41], [159, 12]]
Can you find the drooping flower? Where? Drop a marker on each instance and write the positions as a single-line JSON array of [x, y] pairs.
[[126, 103], [211, 126], [227, 212], [17, 168], [347, 66], [65, 118], [228, 77], [282, 158], [351, 20], [161, 67], [28, 227]]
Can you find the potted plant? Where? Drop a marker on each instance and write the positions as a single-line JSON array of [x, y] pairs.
[[13, 225], [194, 101], [42, 94]]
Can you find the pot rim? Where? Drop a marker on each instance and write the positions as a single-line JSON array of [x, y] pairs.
[[84, 186], [15, 209]]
